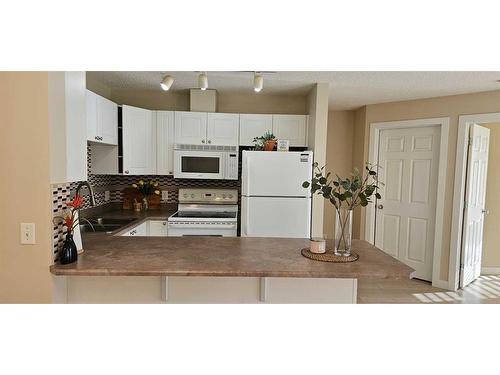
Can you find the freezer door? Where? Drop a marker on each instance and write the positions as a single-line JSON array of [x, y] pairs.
[[281, 174], [275, 217]]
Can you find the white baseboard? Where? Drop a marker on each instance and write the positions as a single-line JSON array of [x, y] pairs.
[[442, 284], [490, 270]]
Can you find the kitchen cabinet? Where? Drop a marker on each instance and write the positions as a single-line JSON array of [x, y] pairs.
[[157, 228], [139, 143], [164, 142], [252, 126], [102, 119], [201, 128], [151, 228], [139, 230], [292, 128], [191, 128], [67, 130], [223, 129]]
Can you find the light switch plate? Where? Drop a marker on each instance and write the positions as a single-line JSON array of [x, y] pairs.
[[164, 195], [106, 195], [28, 234]]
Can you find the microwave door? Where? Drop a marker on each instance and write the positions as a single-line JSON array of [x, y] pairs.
[[192, 164]]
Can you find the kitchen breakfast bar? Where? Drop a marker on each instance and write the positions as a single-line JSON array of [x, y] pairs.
[[117, 269]]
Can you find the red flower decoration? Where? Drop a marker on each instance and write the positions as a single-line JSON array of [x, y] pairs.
[[76, 202], [68, 221]]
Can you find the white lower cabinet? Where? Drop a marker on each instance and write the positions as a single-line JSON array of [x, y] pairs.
[[157, 228], [151, 228]]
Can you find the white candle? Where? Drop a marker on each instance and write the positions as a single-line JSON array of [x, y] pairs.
[[318, 245]]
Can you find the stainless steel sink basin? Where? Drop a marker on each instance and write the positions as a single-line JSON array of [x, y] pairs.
[[99, 224]]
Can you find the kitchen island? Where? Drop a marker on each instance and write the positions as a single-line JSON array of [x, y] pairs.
[[215, 270]]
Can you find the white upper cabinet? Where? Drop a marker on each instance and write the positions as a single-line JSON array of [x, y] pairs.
[[252, 126], [67, 117], [222, 129], [139, 143], [292, 128], [164, 142], [191, 128], [102, 119]]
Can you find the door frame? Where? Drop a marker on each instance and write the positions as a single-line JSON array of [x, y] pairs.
[[444, 124], [464, 123]]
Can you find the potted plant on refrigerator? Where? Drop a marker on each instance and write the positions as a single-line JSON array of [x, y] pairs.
[[266, 142], [345, 194]]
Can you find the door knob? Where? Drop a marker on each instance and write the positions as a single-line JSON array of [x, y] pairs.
[[485, 211], [380, 206]]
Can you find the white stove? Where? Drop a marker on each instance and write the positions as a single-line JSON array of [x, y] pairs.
[[205, 212]]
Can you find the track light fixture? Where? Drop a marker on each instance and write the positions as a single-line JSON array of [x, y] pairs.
[[203, 81], [258, 82], [167, 82]]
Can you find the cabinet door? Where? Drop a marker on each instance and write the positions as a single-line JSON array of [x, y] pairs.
[[291, 127], [252, 126], [139, 145], [157, 228], [107, 121], [164, 142], [190, 127], [91, 116], [223, 128]]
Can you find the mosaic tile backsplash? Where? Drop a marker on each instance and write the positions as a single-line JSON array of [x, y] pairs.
[[62, 193]]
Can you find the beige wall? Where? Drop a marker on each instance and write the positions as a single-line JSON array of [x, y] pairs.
[[338, 156], [450, 106], [317, 108], [491, 247], [261, 103], [25, 188]]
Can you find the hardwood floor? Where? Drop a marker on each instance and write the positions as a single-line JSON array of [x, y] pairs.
[[486, 289]]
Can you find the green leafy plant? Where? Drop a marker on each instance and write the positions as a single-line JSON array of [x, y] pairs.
[[260, 142], [346, 193]]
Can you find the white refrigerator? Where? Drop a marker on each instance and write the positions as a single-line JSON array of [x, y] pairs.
[[273, 201]]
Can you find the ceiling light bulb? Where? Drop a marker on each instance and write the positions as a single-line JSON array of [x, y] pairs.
[[258, 83], [203, 81], [167, 82]]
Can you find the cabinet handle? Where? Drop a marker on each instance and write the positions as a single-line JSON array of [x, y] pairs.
[[202, 141], [96, 138], [126, 172], [209, 142], [164, 223]]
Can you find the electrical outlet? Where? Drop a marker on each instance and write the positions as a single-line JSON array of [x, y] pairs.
[[28, 234], [164, 195], [106, 195]]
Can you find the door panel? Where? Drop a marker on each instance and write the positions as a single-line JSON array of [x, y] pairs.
[[477, 167], [107, 119], [291, 127], [222, 129], [139, 145], [164, 142], [275, 217], [91, 113], [252, 126], [190, 128], [409, 160]]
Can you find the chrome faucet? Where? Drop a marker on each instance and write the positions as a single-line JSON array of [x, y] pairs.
[[91, 191]]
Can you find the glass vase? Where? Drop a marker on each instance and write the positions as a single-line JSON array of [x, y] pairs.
[[68, 253], [343, 232]]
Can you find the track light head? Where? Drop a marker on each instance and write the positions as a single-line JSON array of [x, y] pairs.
[[258, 83], [203, 81], [167, 82]]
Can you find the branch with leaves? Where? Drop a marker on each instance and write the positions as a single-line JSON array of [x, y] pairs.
[[345, 193]]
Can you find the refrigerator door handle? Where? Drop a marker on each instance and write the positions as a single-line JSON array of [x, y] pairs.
[[247, 168]]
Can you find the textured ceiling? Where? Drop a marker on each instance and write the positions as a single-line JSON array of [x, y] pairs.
[[348, 90]]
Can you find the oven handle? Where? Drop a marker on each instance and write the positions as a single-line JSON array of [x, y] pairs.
[[203, 226]]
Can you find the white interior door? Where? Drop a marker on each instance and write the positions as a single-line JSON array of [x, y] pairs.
[[405, 216], [477, 168]]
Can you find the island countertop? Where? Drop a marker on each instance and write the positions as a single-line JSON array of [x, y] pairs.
[[108, 255]]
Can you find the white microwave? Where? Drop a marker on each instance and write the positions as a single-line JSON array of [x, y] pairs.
[[206, 162]]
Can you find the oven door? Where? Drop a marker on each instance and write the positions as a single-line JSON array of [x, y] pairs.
[[204, 229], [199, 164]]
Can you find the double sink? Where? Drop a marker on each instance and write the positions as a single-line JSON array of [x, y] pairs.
[[100, 224]]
